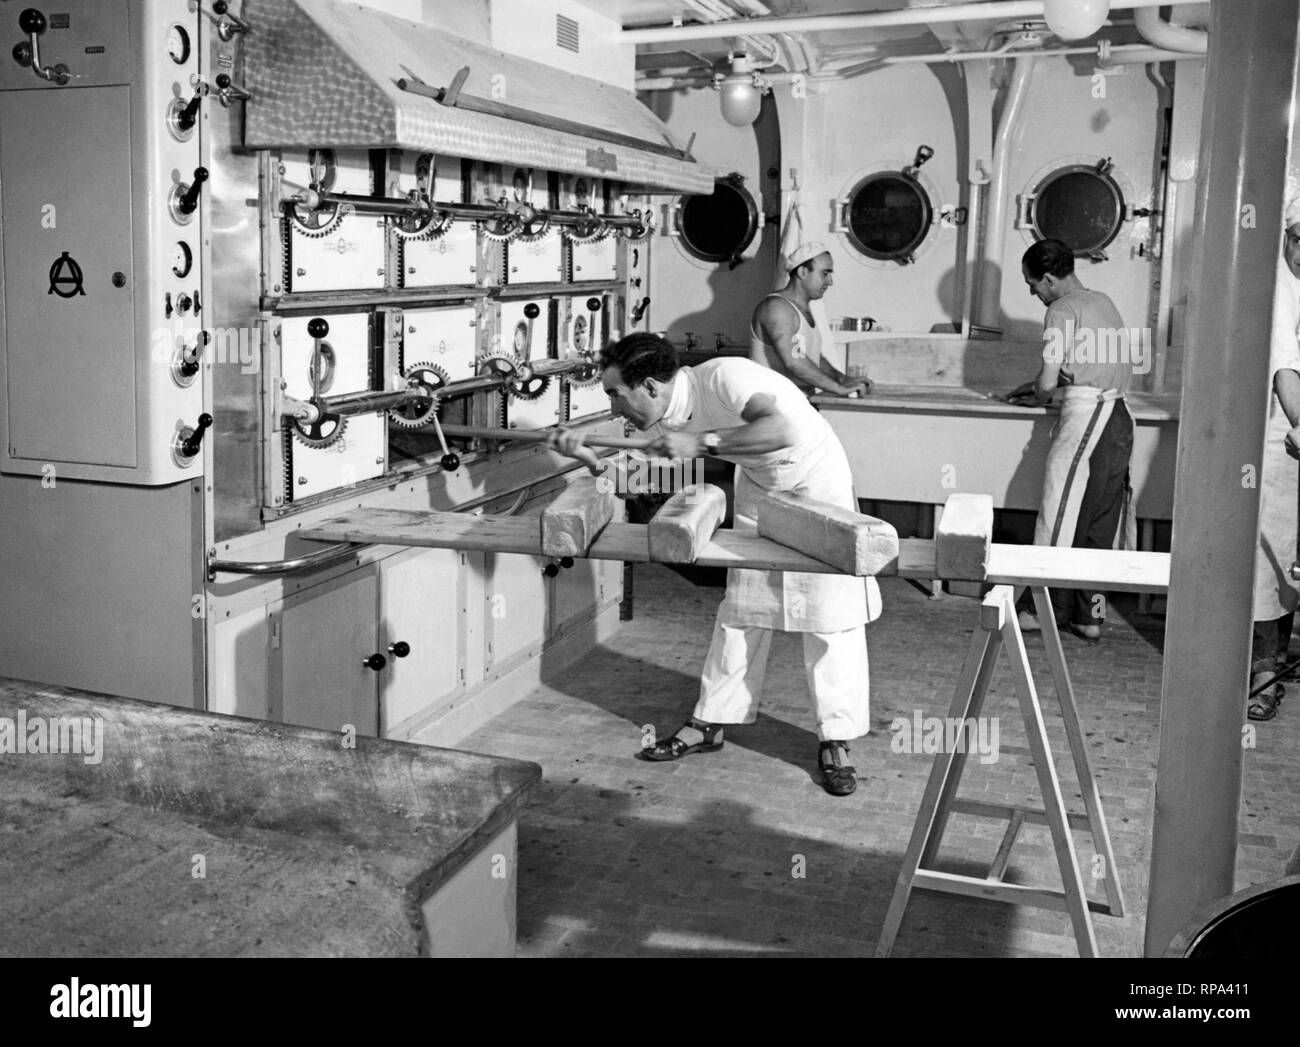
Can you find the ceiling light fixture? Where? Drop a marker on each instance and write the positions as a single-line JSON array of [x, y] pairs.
[[1075, 19], [742, 92]]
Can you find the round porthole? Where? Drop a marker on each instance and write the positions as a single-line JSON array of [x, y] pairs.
[[1080, 205], [718, 227], [888, 216]]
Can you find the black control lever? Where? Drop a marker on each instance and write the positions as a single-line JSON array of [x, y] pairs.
[[400, 649], [187, 116], [189, 365], [229, 24], [189, 201], [28, 53], [191, 444], [226, 90], [639, 309]]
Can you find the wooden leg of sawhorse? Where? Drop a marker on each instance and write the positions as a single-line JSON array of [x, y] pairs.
[[998, 627], [945, 775], [1079, 751]]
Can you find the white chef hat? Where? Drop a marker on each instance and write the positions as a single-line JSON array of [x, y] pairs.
[[805, 252], [1291, 216]]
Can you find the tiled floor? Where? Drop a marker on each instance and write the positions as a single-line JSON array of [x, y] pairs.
[[741, 852]]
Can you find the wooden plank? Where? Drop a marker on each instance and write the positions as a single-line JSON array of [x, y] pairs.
[[1016, 893], [1079, 750], [572, 521], [1043, 565], [685, 523], [497, 534], [1032, 815], [995, 608], [999, 867], [964, 536], [855, 544]]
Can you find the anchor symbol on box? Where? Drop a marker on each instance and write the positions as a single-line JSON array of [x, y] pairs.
[[66, 273]]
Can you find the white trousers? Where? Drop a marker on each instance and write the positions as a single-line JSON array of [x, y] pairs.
[[836, 665]]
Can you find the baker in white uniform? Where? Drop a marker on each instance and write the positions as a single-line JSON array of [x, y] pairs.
[[784, 334], [1276, 595], [747, 414]]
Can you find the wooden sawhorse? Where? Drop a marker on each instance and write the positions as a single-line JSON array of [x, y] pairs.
[[999, 629]]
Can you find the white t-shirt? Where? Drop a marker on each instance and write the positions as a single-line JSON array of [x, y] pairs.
[[713, 395]]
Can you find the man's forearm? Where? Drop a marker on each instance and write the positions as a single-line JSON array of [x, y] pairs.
[[815, 376], [761, 436], [1286, 383]]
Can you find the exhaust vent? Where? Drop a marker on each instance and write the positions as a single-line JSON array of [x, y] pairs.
[[566, 33]]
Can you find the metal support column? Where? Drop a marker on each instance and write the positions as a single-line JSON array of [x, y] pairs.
[[1245, 139]]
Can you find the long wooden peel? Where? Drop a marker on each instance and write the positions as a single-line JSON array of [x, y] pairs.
[[541, 435]]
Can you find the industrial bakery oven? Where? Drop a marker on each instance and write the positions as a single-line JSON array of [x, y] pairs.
[[265, 247]]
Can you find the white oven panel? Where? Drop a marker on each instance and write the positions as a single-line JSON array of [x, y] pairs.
[[526, 337], [326, 255], [536, 261], [361, 453], [345, 356], [446, 337], [592, 261], [587, 400], [536, 414], [451, 258]]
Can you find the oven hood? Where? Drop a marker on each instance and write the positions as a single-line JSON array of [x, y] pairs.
[[336, 75]]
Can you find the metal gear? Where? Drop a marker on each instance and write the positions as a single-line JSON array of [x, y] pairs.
[[530, 387], [502, 228], [593, 230], [315, 224], [499, 363], [430, 226], [585, 375], [534, 231], [420, 412], [326, 430], [642, 230]]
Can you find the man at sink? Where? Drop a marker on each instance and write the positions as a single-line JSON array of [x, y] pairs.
[[784, 335], [1087, 355]]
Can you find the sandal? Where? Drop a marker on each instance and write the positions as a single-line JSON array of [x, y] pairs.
[[674, 748], [838, 778], [1263, 706]]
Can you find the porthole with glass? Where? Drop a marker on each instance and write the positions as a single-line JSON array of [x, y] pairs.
[[1081, 205], [888, 215], [720, 226]]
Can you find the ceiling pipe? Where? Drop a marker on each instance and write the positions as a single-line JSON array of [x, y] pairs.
[[1138, 54], [1000, 10], [1171, 37], [989, 309]]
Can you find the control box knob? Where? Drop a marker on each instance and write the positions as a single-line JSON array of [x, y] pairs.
[[189, 200], [32, 22], [318, 327], [400, 649], [375, 662]]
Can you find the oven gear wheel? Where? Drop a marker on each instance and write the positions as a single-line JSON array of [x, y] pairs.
[[502, 228], [318, 223], [642, 230], [420, 412], [585, 375], [528, 386], [499, 363], [592, 230], [534, 231], [326, 430], [430, 226]]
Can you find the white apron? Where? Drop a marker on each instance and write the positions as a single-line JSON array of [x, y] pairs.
[[1275, 593], [799, 603], [1085, 412]]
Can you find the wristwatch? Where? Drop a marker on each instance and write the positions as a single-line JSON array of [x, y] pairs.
[[711, 442]]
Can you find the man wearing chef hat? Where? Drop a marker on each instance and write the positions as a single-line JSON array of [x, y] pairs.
[[784, 333], [1275, 594]]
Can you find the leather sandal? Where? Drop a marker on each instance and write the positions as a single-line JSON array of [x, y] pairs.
[[1263, 706], [674, 748], [838, 778]]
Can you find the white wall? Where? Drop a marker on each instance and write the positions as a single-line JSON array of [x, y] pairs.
[[527, 28], [687, 294]]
